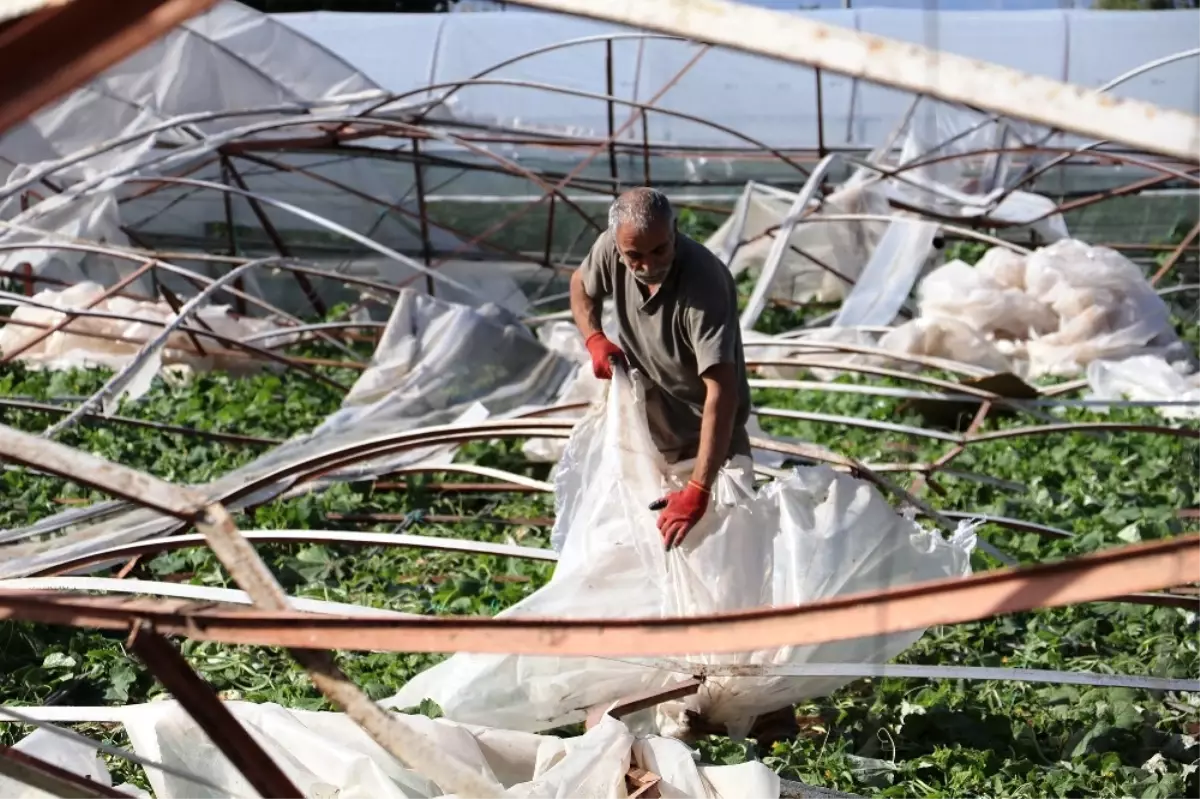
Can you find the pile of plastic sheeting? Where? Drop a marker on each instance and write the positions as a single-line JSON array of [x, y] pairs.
[[112, 342], [327, 755], [809, 536], [1050, 313], [437, 363]]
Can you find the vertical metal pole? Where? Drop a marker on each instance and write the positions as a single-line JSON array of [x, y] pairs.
[[646, 147], [26, 268], [230, 233], [612, 122], [201, 702], [281, 246], [550, 230], [422, 213], [820, 115]]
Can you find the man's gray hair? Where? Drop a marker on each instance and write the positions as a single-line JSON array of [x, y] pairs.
[[642, 208]]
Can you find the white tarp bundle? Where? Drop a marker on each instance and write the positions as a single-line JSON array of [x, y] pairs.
[[112, 342], [584, 387], [1050, 313], [326, 755], [812, 535]]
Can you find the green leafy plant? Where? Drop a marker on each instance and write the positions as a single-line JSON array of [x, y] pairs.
[[876, 737]]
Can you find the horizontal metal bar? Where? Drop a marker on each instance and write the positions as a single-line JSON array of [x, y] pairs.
[[1099, 576]]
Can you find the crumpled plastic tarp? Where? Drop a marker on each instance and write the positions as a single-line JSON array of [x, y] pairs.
[[812, 535], [1147, 378], [91, 341], [1049, 313], [327, 755]]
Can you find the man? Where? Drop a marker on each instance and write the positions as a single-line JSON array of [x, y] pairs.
[[676, 308]]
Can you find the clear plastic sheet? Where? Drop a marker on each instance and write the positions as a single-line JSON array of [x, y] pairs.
[[812, 535], [824, 258], [1050, 313], [96, 341]]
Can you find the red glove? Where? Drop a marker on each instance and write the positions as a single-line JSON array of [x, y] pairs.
[[601, 350], [681, 511]]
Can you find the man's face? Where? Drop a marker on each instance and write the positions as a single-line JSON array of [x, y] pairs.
[[648, 253]]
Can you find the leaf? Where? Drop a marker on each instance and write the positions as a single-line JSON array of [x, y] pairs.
[[120, 678]]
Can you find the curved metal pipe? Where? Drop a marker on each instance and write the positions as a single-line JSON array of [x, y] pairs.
[[49, 168], [317, 219], [1088, 578], [603, 37], [644, 107], [155, 546]]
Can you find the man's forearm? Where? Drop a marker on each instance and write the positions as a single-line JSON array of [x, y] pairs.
[[716, 431], [584, 309]]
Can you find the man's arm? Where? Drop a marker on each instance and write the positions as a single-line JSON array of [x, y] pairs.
[[716, 424], [714, 337], [589, 284], [685, 508], [584, 308]]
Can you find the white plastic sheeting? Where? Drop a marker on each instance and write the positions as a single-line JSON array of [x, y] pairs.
[[1147, 378], [327, 755], [70, 755], [1050, 313], [91, 341], [824, 258], [437, 363], [812, 535], [585, 387], [872, 263]]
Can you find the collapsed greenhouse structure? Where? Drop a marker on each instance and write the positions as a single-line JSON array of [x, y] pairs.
[[387, 208]]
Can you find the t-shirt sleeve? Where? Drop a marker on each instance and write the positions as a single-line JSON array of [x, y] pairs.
[[713, 330], [597, 269]]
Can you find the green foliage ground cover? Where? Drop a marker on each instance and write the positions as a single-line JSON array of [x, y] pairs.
[[885, 737]]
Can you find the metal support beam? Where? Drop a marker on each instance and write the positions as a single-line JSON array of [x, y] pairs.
[[37, 773], [204, 706]]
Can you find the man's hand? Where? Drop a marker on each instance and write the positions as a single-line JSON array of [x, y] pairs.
[[681, 510], [602, 351]]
